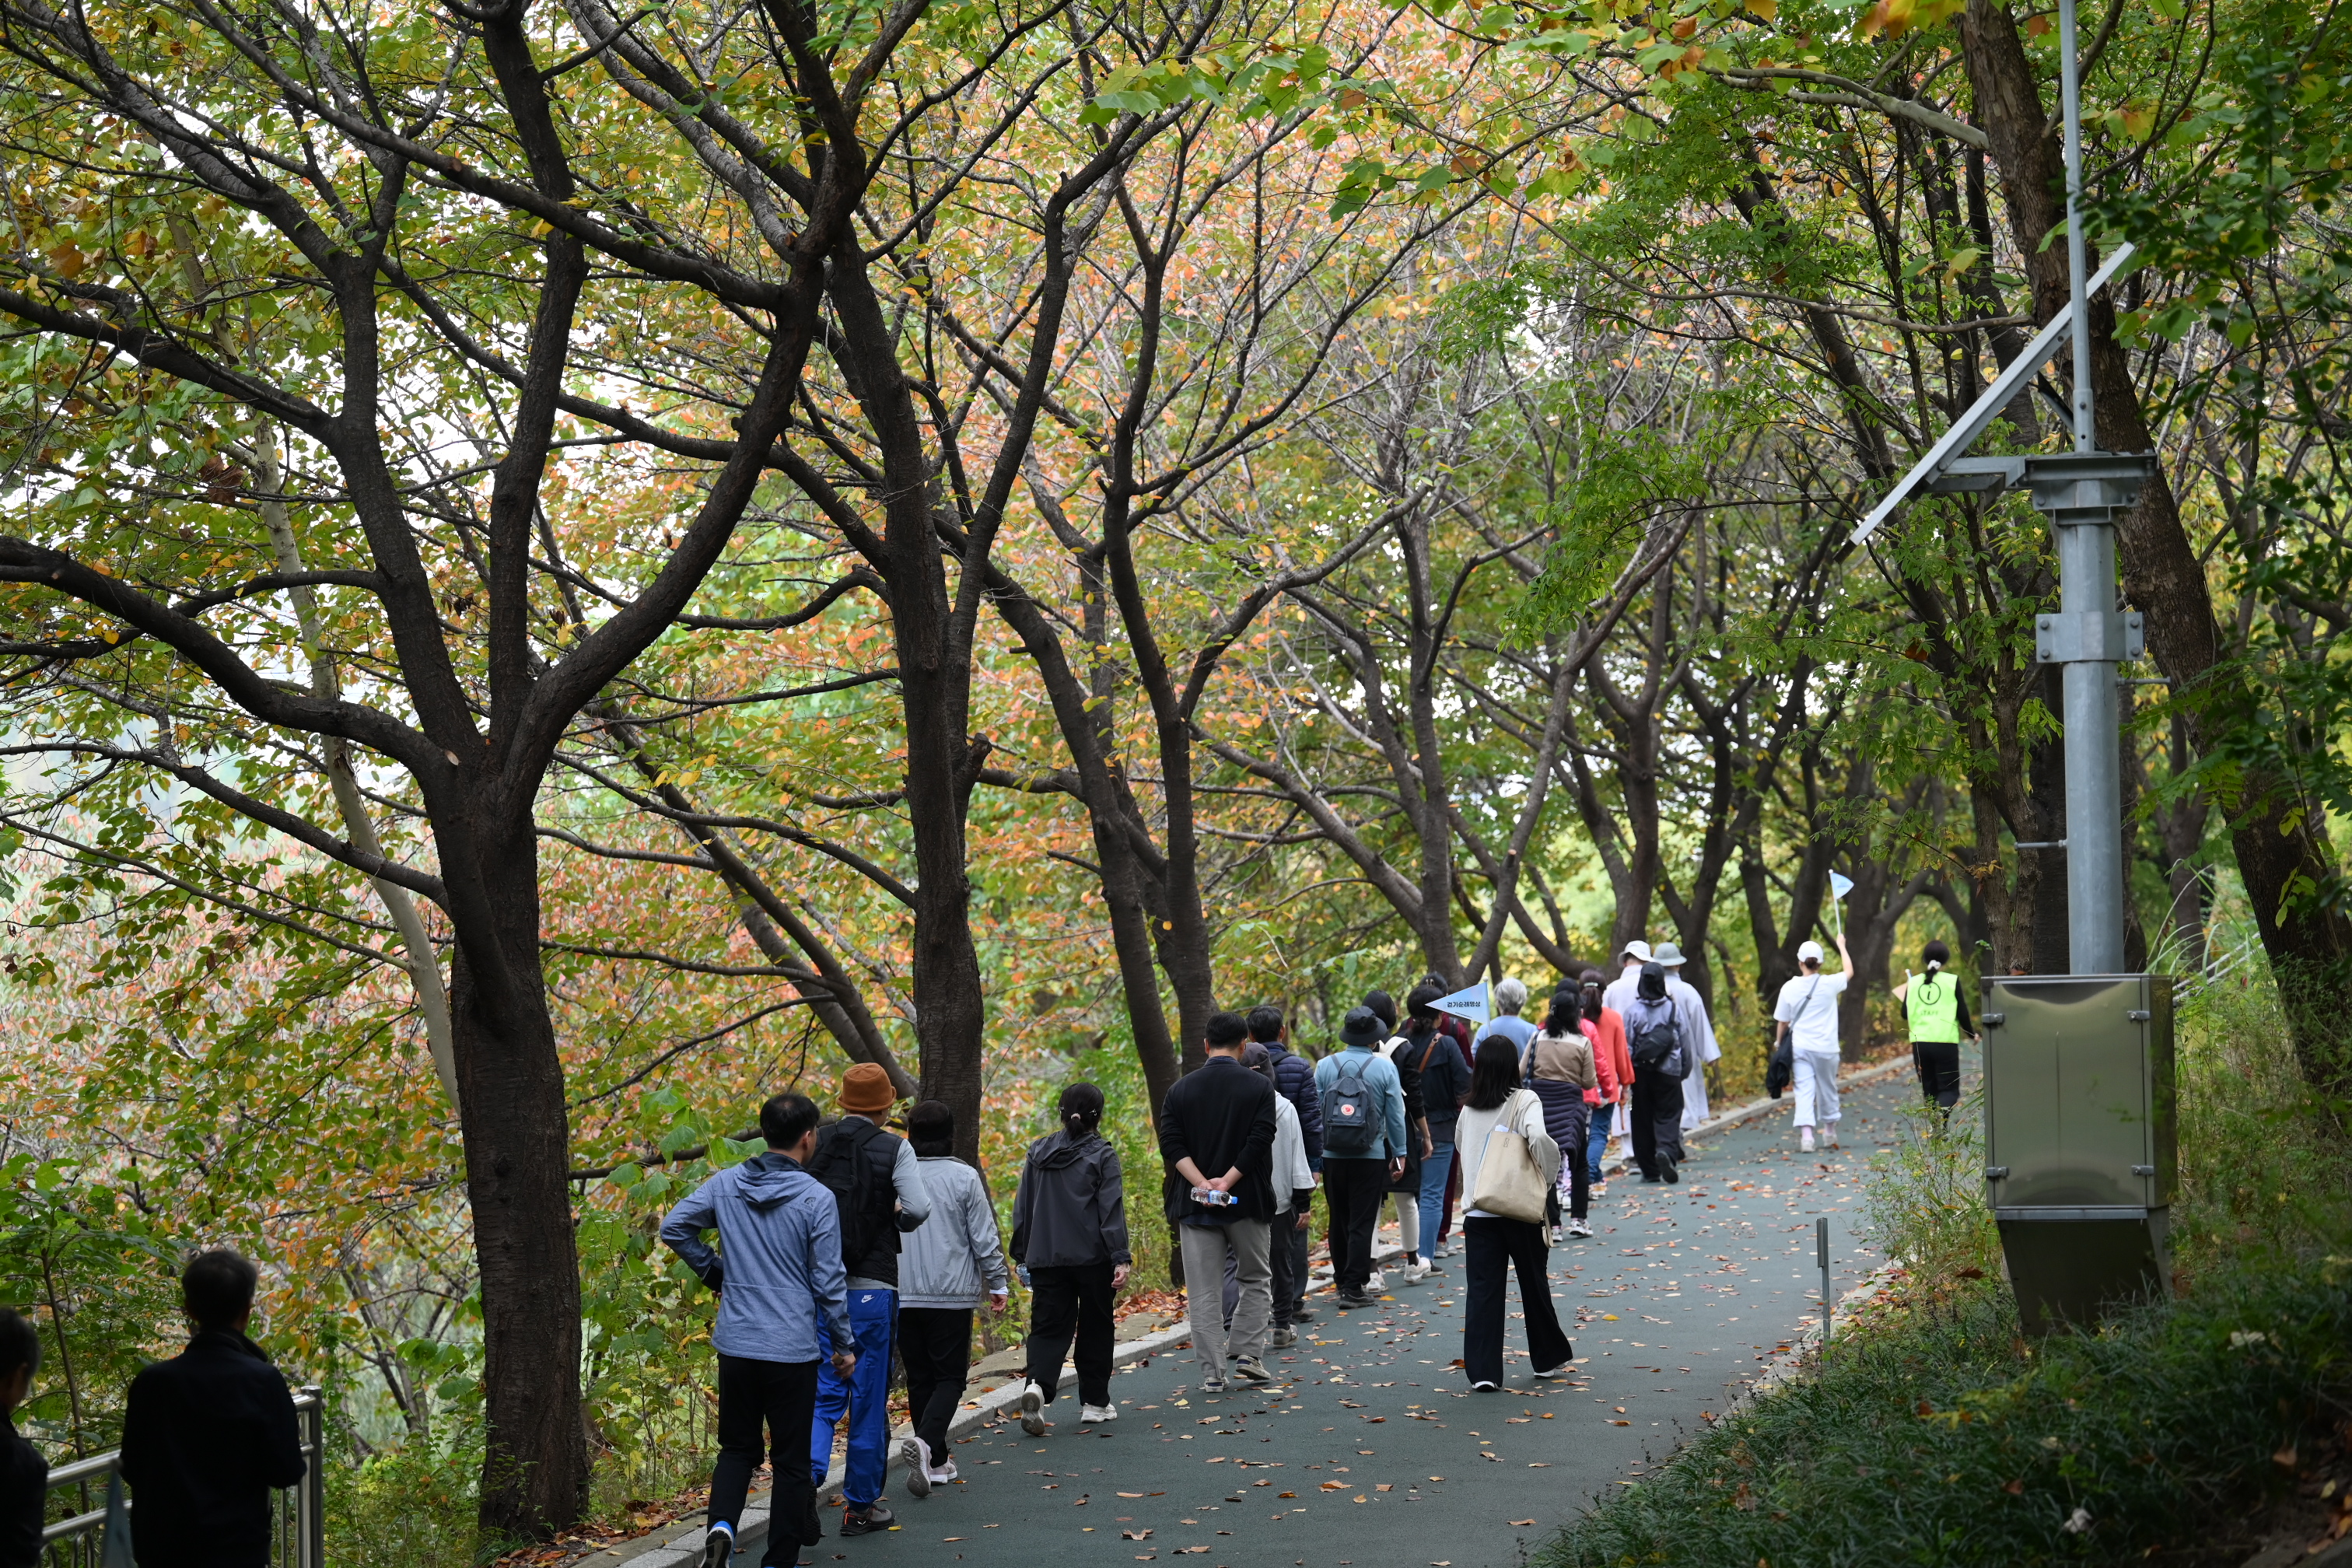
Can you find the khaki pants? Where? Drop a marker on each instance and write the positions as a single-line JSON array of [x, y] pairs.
[[1205, 1248]]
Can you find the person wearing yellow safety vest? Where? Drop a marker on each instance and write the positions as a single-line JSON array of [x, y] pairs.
[[1935, 1007]]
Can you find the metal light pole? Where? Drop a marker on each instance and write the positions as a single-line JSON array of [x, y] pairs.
[[2087, 597], [2079, 1102]]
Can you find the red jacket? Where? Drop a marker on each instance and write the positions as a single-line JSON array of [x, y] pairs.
[[1611, 1059]]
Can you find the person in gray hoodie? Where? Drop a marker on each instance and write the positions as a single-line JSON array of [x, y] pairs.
[[1069, 1237], [777, 1271], [942, 1270]]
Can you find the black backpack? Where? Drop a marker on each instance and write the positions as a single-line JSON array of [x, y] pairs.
[[1347, 1127], [1654, 1036], [854, 1159]]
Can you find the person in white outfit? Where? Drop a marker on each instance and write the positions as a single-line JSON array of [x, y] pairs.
[[1691, 1011], [1808, 1016], [1620, 994]]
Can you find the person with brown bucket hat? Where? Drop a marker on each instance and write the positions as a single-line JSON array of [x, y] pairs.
[[877, 1182]]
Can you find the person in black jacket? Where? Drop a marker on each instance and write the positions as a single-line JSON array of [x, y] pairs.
[[24, 1474], [1216, 1139], [878, 1182], [208, 1434], [1293, 1080], [1442, 1074], [1069, 1240]]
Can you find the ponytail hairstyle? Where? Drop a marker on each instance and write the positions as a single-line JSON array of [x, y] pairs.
[[1595, 983], [1937, 955], [1081, 1108], [1560, 1018]]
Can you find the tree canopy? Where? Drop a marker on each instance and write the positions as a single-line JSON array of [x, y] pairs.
[[568, 566]]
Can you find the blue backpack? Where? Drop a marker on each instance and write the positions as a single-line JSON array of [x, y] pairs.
[[1348, 1128]]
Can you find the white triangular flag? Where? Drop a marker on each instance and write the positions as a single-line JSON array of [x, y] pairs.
[[1471, 1003], [1839, 887]]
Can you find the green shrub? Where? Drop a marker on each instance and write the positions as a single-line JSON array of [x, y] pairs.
[[406, 1509], [1948, 1439], [1937, 1435]]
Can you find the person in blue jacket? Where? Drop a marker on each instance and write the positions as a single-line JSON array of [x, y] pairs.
[[1363, 1146], [777, 1270]]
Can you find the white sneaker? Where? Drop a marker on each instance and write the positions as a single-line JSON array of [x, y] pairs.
[[918, 1456], [1831, 1138], [1414, 1273], [1483, 1386], [1090, 1415], [944, 1475], [1032, 1411], [1556, 1235], [1804, 1139], [1579, 1227], [1375, 1282]]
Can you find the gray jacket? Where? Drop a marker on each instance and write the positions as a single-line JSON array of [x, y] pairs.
[[955, 1258], [1072, 1206]]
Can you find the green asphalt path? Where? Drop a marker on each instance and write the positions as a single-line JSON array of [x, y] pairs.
[[1371, 1451]]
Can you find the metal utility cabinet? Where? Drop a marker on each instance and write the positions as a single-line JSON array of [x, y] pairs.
[[2080, 1162]]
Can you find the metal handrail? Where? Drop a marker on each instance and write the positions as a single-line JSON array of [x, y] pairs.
[[2216, 969], [297, 1525]]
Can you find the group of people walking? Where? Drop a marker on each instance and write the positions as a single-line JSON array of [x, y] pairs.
[[844, 1240]]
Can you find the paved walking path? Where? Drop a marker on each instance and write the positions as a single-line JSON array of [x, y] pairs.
[[1372, 1451]]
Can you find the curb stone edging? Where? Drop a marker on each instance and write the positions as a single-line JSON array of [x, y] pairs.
[[1804, 1351]]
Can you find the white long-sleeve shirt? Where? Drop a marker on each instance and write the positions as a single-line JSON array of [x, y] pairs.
[[1291, 1171]]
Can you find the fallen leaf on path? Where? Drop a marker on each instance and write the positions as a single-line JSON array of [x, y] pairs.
[[1135, 1535], [1522, 1522], [1130, 1494]]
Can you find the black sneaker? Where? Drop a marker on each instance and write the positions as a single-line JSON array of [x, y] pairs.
[[1302, 1315], [1352, 1302], [875, 1520], [717, 1547], [1666, 1171]]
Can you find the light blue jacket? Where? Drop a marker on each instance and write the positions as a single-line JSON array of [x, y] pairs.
[[779, 1258], [1381, 1082]]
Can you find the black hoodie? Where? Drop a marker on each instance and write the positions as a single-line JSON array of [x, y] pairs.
[[1072, 1206]]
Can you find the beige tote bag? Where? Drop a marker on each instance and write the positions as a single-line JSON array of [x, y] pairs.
[[1510, 1179]]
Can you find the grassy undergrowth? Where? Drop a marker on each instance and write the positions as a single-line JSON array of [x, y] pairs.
[[1938, 1435], [1949, 1440]]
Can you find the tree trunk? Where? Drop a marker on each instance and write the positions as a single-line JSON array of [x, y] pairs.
[[517, 1168], [943, 761]]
